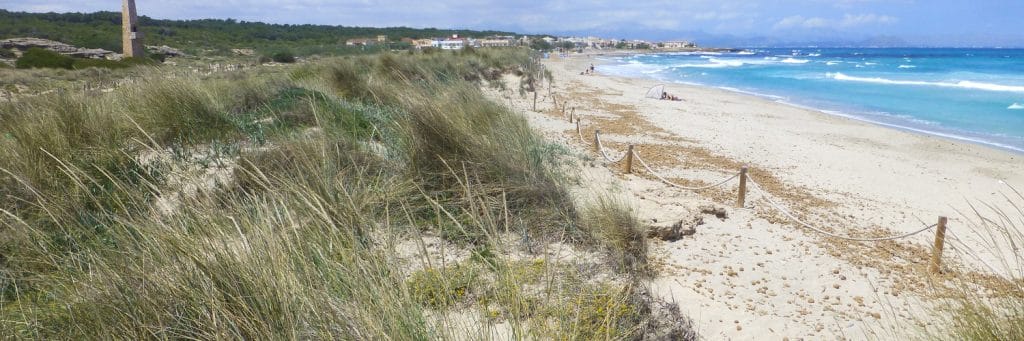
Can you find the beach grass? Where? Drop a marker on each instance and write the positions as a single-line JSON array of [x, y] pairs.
[[968, 312], [314, 201]]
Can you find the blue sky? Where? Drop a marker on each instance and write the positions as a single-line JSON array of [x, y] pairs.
[[939, 22]]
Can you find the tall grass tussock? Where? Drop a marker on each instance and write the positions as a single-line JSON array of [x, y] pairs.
[[315, 201], [967, 312]]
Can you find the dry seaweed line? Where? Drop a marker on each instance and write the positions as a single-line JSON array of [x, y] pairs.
[[939, 234]]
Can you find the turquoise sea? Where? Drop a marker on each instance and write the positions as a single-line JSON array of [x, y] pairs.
[[974, 95]]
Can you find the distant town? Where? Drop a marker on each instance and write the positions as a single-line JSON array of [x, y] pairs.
[[455, 42]]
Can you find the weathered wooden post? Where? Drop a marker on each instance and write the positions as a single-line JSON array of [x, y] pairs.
[[940, 240], [597, 140], [742, 197], [578, 131], [629, 160]]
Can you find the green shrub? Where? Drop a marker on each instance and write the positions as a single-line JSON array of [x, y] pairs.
[[283, 57], [441, 288], [42, 58]]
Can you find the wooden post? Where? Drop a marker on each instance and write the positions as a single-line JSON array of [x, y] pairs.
[[578, 131], [940, 239], [534, 99], [597, 146], [629, 160], [742, 197]]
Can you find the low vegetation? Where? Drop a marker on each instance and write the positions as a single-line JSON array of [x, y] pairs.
[[967, 312], [358, 198], [208, 37], [35, 58]]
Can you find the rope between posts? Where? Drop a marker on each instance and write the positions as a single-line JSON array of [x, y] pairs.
[[670, 183], [600, 148], [785, 212]]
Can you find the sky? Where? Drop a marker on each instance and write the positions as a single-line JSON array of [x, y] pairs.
[[913, 22]]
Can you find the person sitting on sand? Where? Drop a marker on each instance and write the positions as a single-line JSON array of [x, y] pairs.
[[665, 96]]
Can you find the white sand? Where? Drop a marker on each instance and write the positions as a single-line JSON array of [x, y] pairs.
[[753, 275]]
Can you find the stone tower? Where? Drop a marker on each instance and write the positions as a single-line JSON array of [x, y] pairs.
[[131, 37]]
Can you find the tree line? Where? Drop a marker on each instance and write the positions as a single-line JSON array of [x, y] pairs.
[[207, 36]]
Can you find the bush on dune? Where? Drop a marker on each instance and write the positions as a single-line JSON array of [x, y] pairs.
[[41, 58]]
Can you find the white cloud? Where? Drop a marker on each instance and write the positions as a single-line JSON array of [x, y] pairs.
[[848, 21]]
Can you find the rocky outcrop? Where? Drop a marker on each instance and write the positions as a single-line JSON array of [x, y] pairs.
[[56, 46], [244, 52], [165, 50]]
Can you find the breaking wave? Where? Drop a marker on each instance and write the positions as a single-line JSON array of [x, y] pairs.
[[961, 84]]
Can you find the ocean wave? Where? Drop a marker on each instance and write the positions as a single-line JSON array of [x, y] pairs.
[[745, 53], [713, 63], [961, 84], [830, 63], [870, 63], [814, 54], [1016, 106], [907, 66], [794, 61]]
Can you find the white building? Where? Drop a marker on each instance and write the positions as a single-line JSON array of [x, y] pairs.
[[453, 43]]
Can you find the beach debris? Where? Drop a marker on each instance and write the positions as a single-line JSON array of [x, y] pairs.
[[714, 210], [682, 228]]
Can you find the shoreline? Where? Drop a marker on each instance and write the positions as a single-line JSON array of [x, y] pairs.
[[754, 273], [867, 166], [950, 134]]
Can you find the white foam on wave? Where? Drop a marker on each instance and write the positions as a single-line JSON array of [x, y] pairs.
[[794, 61], [814, 54], [830, 63], [745, 53], [713, 63], [1016, 106], [907, 66], [961, 84], [870, 63]]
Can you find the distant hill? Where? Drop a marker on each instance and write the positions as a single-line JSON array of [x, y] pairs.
[[103, 30]]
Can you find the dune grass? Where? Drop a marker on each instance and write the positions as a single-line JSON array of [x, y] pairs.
[[276, 205], [966, 311]]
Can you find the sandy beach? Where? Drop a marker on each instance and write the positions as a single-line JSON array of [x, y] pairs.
[[755, 274]]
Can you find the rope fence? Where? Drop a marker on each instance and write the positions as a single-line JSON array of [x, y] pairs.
[[631, 154]]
